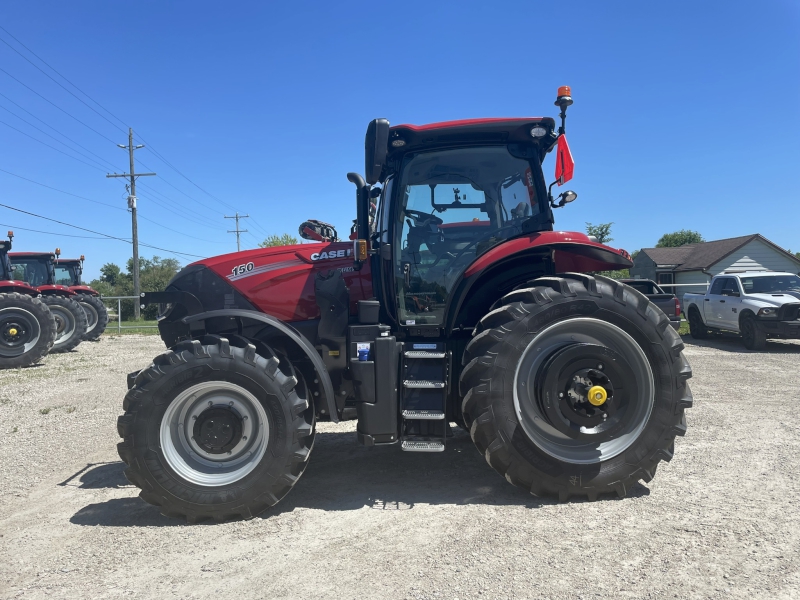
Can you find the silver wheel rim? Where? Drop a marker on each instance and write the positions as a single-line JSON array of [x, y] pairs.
[[191, 462], [581, 331], [91, 315], [26, 319], [65, 324]]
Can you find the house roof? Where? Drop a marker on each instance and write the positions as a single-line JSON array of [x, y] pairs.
[[696, 257]]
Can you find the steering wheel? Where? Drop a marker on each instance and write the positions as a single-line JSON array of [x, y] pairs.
[[421, 219]]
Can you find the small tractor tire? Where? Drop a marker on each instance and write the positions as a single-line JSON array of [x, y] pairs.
[[216, 429], [697, 328], [96, 315], [575, 386], [70, 319], [27, 330], [753, 336]]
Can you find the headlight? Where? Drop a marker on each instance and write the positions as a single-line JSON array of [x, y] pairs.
[[768, 312]]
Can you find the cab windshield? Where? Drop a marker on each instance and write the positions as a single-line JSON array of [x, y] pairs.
[[770, 284], [454, 205], [66, 275], [35, 271]]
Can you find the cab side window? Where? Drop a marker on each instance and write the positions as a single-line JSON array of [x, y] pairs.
[[716, 287]]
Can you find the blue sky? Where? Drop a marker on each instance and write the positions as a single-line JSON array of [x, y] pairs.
[[686, 114]]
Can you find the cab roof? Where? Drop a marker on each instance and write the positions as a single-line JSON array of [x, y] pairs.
[[514, 130], [30, 254]]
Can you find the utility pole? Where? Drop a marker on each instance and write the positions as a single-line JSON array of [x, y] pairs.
[[134, 226], [237, 231]]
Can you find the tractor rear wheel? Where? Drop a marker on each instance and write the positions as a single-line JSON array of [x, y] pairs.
[[27, 330], [96, 316], [216, 429], [70, 322], [575, 386]]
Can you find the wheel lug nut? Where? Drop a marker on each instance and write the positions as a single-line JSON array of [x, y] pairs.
[[194, 417], [230, 403], [245, 417], [244, 438], [600, 366], [210, 404], [560, 394]]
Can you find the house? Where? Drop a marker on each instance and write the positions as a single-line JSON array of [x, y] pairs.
[[677, 268]]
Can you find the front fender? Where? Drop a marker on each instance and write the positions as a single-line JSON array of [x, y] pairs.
[[289, 332]]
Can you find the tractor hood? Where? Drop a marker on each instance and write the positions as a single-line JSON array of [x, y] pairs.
[[278, 281]]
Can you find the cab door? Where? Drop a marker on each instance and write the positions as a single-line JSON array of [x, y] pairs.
[[714, 302], [730, 304]]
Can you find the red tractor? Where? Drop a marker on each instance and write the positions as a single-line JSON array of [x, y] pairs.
[[27, 327], [38, 270], [457, 302], [68, 271]]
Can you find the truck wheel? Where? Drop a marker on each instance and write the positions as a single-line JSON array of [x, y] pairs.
[[753, 336], [575, 386], [214, 429], [96, 316], [697, 328], [27, 330], [70, 322]]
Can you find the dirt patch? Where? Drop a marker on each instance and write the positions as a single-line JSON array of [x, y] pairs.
[[719, 521]]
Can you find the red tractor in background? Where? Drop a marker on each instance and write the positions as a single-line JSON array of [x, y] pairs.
[[27, 327], [68, 271], [38, 270], [457, 302]]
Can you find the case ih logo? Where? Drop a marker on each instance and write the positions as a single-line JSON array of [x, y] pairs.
[[331, 254]]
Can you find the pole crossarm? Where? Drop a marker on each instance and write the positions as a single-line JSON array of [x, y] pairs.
[[129, 175]]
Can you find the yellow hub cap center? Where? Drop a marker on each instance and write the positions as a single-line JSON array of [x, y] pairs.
[[597, 395], [12, 331]]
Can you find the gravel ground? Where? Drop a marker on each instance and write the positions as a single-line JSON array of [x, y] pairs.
[[719, 521]]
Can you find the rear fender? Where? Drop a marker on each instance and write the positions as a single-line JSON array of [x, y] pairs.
[[20, 287], [56, 290], [293, 341]]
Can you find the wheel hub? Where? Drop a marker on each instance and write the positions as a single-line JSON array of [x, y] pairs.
[[583, 390], [218, 430]]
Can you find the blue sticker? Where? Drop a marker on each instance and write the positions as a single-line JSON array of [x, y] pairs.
[[424, 346]]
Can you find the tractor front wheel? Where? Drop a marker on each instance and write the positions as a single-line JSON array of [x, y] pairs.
[[575, 386], [96, 315], [216, 429], [70, 319], [27, 330]]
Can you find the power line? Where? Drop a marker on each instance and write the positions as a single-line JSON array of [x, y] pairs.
[[56, 105], [51, 127], [62, 76], [62, 191], [113, 237], [51, 147], [86, 237], [56, 82]]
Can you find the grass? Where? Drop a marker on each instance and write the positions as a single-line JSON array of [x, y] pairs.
[[138, 327], [684, 330], [45, 411]]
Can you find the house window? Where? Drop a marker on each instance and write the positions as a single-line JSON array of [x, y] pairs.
[[665, 278]]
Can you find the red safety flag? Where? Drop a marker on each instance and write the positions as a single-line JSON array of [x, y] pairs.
[[564, 163]]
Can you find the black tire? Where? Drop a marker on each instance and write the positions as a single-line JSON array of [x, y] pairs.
[[494, 361], [697, 328], [96, 316], [27, 330], [753, 336], [70, 322], [158, 458]]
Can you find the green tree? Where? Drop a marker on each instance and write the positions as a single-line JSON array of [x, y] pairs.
[[679, 238], [601, 231], [154, 275], [278, 240]]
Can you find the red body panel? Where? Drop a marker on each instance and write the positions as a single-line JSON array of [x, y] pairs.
[[574, 252], [56, 290], [83, 289], [281, 279], [10, 285]]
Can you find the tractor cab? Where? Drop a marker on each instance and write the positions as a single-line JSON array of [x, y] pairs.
[[35, 268], [68, 271]]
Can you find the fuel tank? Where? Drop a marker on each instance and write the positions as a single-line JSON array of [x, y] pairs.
[[279, 281]]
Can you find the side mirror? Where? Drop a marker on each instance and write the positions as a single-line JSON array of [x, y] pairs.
[[564, 198], [376, 145]]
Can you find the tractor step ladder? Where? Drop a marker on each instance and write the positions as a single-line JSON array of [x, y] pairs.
[[423, 399]]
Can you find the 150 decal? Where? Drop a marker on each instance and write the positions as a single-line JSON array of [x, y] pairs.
[[242, 269]]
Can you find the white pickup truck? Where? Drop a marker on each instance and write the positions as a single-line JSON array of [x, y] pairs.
[[757, 305]]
